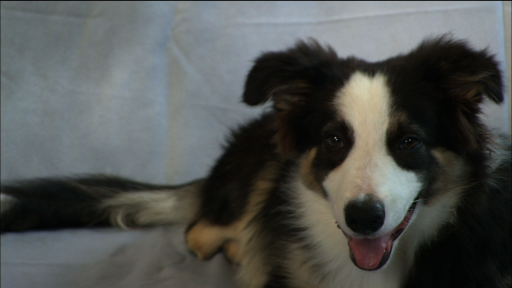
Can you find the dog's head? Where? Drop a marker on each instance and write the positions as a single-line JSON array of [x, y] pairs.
[[376, 138]]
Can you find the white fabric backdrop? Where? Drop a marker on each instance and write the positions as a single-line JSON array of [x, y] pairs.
[[148, 90]]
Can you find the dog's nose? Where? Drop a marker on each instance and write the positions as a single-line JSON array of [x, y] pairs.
[[365, 216]]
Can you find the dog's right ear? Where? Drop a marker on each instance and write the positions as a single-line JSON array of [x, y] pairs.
[[288, 77], [292, 79]]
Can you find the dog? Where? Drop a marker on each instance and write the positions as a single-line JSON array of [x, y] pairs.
[[360, 175]]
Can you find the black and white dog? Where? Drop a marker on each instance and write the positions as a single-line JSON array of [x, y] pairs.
[[362, 175]]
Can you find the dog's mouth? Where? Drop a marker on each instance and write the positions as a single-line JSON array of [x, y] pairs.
[[373, 253]]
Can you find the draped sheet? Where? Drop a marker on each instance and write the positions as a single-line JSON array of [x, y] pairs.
[[149, 90]]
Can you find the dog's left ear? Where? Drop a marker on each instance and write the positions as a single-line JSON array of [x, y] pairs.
[[292, 80], [463, 78]]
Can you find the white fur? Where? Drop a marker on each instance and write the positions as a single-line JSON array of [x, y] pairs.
[[332, 252], [498, 154], [365, 105], [331, 249], [7, 202], [151, 208]]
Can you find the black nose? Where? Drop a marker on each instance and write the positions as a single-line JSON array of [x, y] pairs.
[[366, 215]]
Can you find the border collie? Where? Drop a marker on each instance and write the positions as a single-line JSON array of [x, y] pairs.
[[363, 174]]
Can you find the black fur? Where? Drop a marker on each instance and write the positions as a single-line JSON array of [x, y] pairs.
[[65, 202], [437, 91], [475, 250], [439, 88], [227, 187]]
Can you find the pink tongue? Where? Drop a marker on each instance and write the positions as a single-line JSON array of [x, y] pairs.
[[369, 252]]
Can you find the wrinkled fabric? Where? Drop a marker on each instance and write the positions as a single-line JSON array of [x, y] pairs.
[[148, 90]]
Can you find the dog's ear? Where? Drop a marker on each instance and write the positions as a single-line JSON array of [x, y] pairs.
[[288, 77], [292, 80], [462, 78]]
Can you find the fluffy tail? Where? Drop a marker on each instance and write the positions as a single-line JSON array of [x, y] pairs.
[[95, 201]]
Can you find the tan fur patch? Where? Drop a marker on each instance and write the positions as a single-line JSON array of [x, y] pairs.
[[306, 172], [205, 238], [234, 252], [397, 117], [452, 173]]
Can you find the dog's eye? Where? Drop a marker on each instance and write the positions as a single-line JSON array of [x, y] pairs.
[[334, 141], [410, 143]]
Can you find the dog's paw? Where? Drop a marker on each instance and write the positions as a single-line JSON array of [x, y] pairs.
[[234, 252], [205, 239]]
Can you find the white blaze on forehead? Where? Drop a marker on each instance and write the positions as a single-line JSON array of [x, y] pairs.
[[364, 104]]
